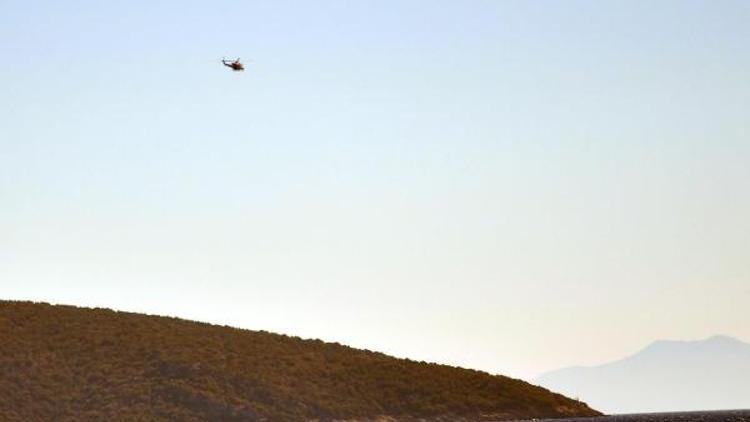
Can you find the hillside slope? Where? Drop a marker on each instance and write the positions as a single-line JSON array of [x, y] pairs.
[[665, 376], [65, 363]]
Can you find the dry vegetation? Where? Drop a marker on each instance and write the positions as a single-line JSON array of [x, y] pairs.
[[64, 363]]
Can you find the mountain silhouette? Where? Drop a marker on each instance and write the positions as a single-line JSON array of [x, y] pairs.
[[707, 374]]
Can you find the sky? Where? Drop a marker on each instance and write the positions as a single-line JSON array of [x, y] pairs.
[[512, 186]]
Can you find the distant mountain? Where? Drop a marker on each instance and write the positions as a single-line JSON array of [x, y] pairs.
[[666, 376], [60, 363]]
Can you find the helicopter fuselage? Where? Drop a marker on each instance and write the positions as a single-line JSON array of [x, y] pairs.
[[236, 65]]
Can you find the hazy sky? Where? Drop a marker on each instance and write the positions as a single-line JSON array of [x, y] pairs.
[[514, 186]]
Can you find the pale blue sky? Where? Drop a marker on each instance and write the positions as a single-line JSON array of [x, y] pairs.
[[514, 186]]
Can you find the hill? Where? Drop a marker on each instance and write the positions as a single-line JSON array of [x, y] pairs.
[[64, 363], [665, 376]]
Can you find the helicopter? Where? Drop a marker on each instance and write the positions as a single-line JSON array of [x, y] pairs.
[[235, 65]]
